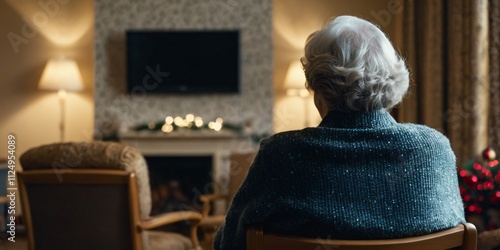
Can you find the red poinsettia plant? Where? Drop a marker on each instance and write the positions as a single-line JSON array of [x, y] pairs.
[[479, 182]]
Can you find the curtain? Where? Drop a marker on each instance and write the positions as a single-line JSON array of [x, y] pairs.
[[445, 44], [494, 118]]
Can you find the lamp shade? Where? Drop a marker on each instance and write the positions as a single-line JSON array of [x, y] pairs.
[[61, 74], [295, 80]]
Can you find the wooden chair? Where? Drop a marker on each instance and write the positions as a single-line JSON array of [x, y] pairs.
[[86, 207], [464, 236], [240, 164]]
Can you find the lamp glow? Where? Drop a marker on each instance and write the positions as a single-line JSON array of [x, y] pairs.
[[62, 75], [295, 86], [295, 80]]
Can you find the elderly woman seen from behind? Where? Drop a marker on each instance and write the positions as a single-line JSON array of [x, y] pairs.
[[359, 174]]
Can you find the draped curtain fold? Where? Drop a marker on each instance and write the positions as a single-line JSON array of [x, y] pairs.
[[494, 118], [446, 46]]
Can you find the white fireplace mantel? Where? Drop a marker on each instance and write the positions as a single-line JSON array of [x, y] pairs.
[[219, 145], [186, 142]]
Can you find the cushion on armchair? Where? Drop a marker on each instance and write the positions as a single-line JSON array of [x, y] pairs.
[[63, 157]]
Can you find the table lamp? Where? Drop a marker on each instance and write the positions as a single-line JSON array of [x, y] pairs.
[[295, 86], [62, 75]]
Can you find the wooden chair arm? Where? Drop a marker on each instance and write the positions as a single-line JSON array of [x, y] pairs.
[[170, 217], [206, 199]]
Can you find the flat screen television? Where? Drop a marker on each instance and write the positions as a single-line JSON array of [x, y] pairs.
[[183, 61]]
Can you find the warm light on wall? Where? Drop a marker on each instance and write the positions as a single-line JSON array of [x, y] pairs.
[[61, 75], [295, 86], [295, 81], [64, 23]]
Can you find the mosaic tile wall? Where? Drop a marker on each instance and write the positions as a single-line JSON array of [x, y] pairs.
[[116, 109]]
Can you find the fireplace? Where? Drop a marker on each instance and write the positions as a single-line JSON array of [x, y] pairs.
[[178, 181], [200, 146]]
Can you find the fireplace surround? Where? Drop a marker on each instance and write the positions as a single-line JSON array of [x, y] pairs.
[[215, 146]]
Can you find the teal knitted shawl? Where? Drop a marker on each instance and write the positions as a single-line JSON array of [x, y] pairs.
[[355, 176]]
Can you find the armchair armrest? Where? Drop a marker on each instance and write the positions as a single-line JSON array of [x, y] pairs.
[[168, 218], [207, 198], [171, 217], [210, 197]]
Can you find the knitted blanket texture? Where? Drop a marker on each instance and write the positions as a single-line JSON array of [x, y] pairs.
[[355, 176]]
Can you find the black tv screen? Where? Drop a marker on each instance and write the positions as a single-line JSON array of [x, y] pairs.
[[183, 61]]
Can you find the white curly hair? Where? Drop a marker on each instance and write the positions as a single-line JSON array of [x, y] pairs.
[[352, 66]]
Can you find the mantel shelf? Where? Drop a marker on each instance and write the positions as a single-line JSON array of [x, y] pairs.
[[181, 135], [218, 144], [187, 142]]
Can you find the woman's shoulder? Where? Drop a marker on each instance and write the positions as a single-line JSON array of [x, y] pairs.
[[422, 132], [430, 140], [286, 137], [290, 140], [412, 135], [291, 136]]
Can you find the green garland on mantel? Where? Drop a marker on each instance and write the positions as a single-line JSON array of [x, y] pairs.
[[239, 129], [156, 127]]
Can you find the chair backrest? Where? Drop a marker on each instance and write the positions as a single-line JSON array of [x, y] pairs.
[[240, 164], [82, 209], [464, 236], [66, 157]]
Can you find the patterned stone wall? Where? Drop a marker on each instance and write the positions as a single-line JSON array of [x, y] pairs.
[[116, 109]]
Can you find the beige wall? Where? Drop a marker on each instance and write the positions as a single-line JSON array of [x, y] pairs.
[[293, 21], [65, 29]]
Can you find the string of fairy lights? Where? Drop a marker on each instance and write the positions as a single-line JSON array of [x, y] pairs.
[[189, 122]]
